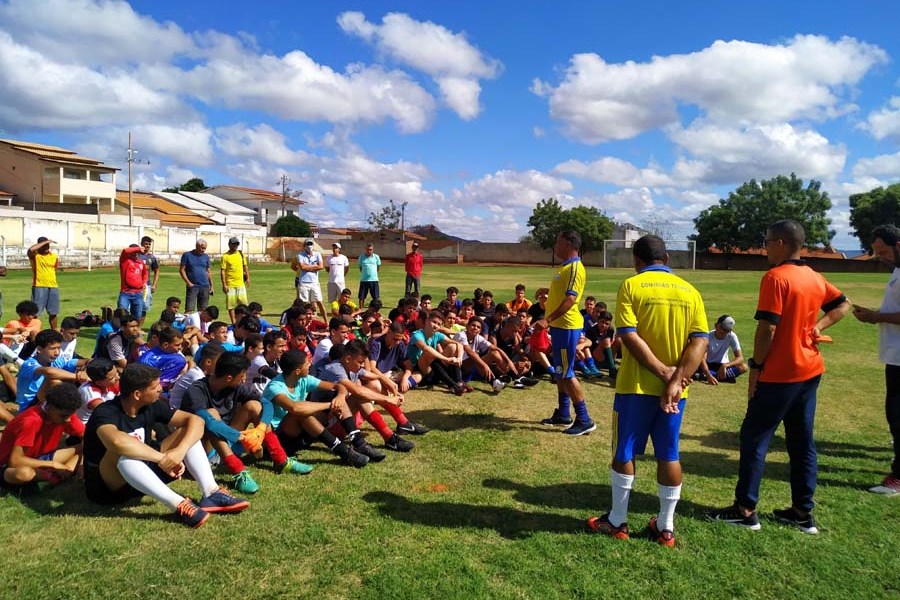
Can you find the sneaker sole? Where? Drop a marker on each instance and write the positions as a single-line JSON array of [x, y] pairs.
[[234, 508], [803, 529], [582, 432], [884, 490], [754, 527], [569, 424]]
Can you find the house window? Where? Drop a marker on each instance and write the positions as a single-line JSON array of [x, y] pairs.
[[73, 174], [51, 172]]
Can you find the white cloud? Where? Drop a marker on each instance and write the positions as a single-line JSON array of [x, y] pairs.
[[261, 142], [885, 122], [730, 82], [615, 171], [884, 165], [448, 57]]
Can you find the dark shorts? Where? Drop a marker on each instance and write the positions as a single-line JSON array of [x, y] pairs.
[[366, 288], [98, 492], [293, 445], [196, 298]]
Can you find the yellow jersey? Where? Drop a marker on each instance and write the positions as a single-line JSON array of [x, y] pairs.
[[233, 264], [44, 267], [569, 281], [665, 311]]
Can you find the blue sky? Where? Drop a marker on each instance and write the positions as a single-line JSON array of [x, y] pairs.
[[469, 112]]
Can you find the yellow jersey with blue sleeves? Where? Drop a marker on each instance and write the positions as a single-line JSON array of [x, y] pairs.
[[665, 311], [569, 281]]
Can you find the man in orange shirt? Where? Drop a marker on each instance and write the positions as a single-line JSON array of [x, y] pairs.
[[784, 375], [520, 302]]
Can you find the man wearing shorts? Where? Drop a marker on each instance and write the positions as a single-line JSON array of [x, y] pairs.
[[308, 264], [194, 271], [566, 324], [44, 289], [337, 266], [662, 323], [235, 276], [369, 263]]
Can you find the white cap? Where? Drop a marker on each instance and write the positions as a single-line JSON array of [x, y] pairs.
[[727, 323], [336, 245]]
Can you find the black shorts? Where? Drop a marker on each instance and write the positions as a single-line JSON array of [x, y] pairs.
[[293, 445], [97, 490]]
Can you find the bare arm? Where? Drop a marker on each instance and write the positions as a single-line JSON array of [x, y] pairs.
[[691, 358], [833, 316], [182, 270], [35, 248]]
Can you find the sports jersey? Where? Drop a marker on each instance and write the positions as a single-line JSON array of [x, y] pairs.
[[170, 364], [665, 311], [182, 384], [200, 397], [256, 381], [478, 344], [413, 352], [791, 296], [90, 392], [387, 359], [35, 433], [277, 386], [233, 266], [28, 382], [139, 427], [45, 270], [568, 281], [717, 352], [368, 267]]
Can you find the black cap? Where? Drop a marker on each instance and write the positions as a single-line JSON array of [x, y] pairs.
[[42, 239]]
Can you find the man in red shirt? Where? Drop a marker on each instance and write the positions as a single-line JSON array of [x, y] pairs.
[[414, 263], [133, 278], [28, 447], [784, 376]]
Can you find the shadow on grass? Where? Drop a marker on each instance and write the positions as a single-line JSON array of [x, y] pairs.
[[69, 499], [447, 420], [730, 440]]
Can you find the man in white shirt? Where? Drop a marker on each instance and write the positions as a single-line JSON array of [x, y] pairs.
[[307, 265], [337, 266], [886, 246], [717, 368]]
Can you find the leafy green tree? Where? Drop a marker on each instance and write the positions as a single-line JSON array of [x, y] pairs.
[[191, 185], [291, 226], [740, 221], [548, 218], [386, 218], [870, 209]]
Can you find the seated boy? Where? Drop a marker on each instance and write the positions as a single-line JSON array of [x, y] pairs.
[[256, 309], [436, 356], [204, 367], [388, 354], [166, 356], [481, 355], [19, 332], [122, 461], [102, 387], [46, 362], [603, 340], [345, 298], [298, 422], [717, 368], [29, 446]]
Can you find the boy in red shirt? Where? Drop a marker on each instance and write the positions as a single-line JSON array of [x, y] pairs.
[[28, 447]]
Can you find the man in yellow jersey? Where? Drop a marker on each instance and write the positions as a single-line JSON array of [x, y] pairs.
[[662, 323], [566, 324], [235, 276], [44, 289]]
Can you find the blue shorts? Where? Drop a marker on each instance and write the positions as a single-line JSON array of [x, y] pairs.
[[637, 417], [46, 299], [564, 342]]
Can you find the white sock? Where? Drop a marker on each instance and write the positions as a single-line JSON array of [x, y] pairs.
[[668, 498], [142, 478], [621, 490], [197, 464]]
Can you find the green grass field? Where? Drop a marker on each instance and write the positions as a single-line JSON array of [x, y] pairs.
[[490, 503]]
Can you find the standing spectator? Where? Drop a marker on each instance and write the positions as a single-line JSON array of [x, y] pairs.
[[566, 324], [414, 262], [133, 280], [194, 271], [235, 276], [152, 272], [44, 289], [337, 266], [886, 245], [308, 263], [369, 263], [662, 321], [785, 371]]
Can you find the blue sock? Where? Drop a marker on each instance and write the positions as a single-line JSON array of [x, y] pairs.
[[564, 405], [579, 364], [581, 411], [412, 382], [589, 361], [469, 376]]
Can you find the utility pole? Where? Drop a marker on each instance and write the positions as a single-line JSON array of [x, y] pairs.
[[131, 153], [285, 186], [403, 221]]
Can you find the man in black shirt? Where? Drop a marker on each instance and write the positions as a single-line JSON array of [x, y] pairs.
[[122, 461]]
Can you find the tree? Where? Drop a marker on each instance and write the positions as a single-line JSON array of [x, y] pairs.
[[386, 218], [740, 221], [868, 210], [291, 226], [548, 218], [191, 185]]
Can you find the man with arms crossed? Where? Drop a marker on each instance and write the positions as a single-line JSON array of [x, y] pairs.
[[662, 323], [886, 246], [785, 371], [308, 264], [337, 266]]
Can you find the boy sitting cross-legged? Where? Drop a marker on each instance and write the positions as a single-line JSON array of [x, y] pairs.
[[122, 461]]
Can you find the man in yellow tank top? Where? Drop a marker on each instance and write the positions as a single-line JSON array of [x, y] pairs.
[[44, 289]]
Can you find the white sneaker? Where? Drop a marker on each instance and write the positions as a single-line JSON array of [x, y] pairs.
[[890, 486], [498, 385]]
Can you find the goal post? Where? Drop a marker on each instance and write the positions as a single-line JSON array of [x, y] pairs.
[[689, 246]]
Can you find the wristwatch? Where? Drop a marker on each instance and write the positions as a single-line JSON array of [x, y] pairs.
[[755, 365]]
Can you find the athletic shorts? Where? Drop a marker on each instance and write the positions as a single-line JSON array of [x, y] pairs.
[[564, 342], [97, 491], [366, 288], [309, 292], [293, 445], [235, 296], [46, 299], [637, 417]]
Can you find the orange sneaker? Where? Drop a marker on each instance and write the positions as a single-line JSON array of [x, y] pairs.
[[664, 537], [602, 525]]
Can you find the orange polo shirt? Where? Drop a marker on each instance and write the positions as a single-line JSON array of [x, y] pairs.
[[791, 296]]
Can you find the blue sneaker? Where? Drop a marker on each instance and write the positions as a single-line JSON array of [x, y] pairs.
[[190, 514], [221, 501], [556, 419], [292, 465], [244, 483], [580, 427]]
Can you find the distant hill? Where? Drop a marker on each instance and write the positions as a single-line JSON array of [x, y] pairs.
[[433, 233]]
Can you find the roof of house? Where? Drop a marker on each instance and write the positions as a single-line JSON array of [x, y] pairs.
[[154, 207], [220, 204], [57, 155], [254, 194], [2, 193], [805, 252]]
